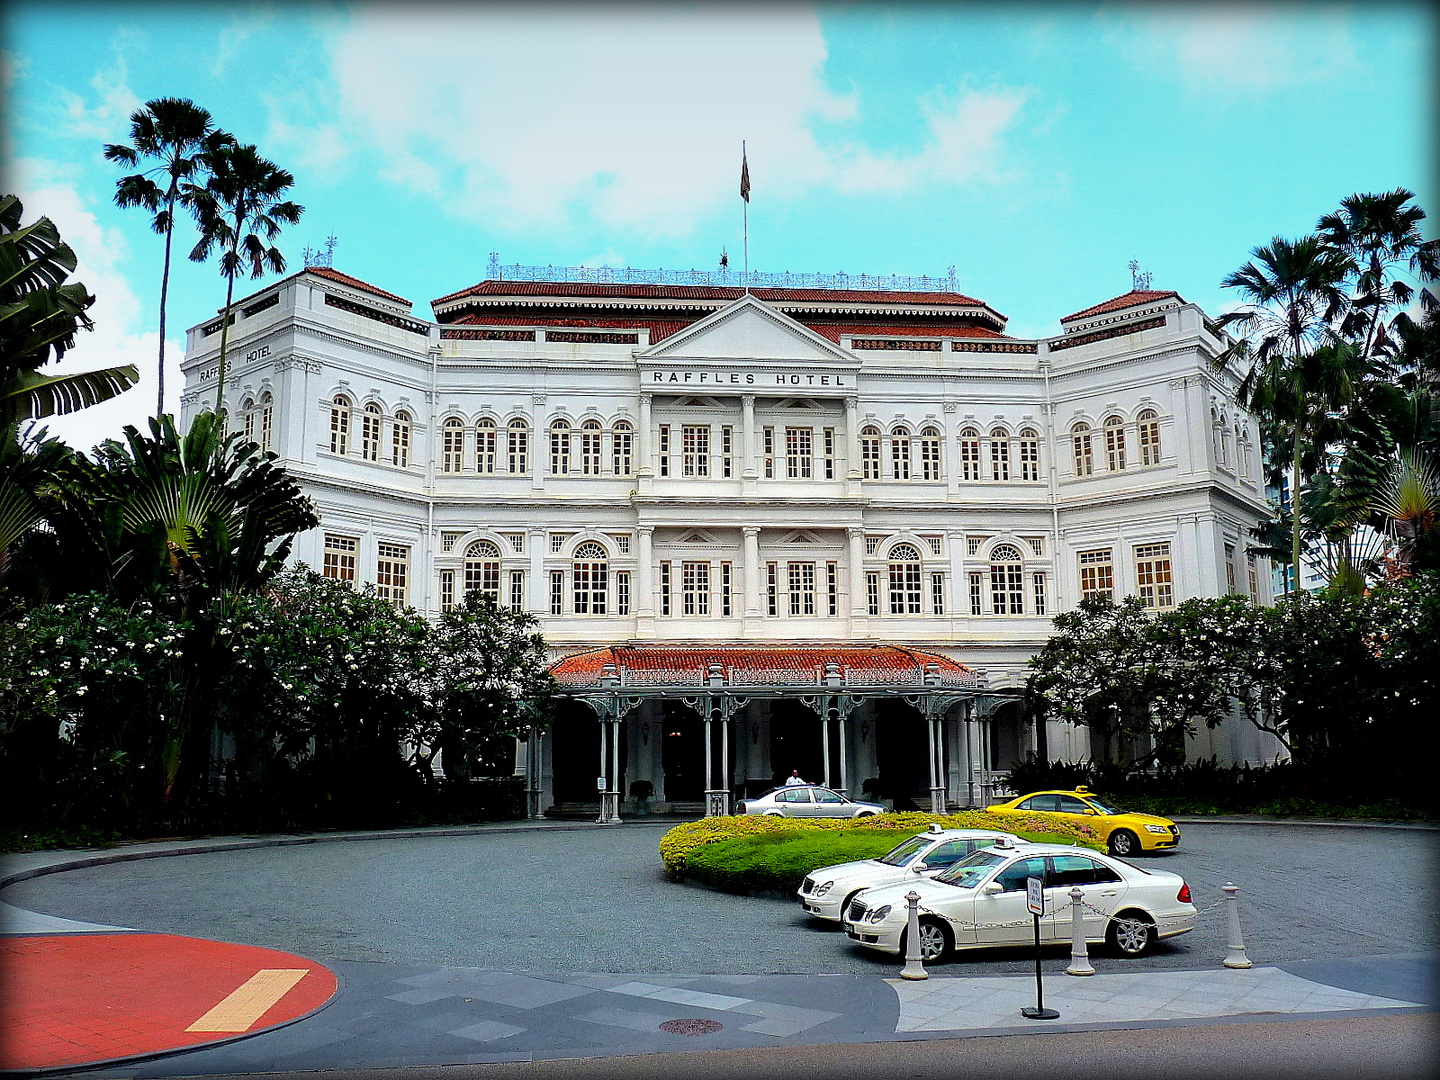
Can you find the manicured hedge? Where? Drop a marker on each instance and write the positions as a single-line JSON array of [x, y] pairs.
[[681, 842]]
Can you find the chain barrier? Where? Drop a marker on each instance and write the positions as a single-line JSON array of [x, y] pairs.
[[1068, 907]]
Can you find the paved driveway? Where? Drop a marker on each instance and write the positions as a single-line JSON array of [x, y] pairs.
[[594, 899]]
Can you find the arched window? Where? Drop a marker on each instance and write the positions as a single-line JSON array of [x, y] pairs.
[[400, 439], [970, 454], [247, 409], [1007, 581], [486, 446], [1029, 447], [622, 448], [1114, 444], [999, 454], [1148, 425], [591, 578], [1224, 441], [370, 432], [452, 445], [870, 453], [267, 420], [905, 590], [1242, 450], [560, 448], [517, 448], [930, 454], [900, 454], [1080, 443], [340, 425], [482, 569], [590, 452]]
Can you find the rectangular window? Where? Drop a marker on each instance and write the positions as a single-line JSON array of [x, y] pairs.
[[622, 451], [799, 453], [622, 543], [591, 453], [934, 544], [516, 542], [517, 590], [1037, 545], [518, 450], [829, 446], [905, 588], [340, 557], [1150, 442], [695, 450], [1007, 590], [972, 544], [900, 456], [557, 592], [772, 590], [1253, 575], [622, 592], [768, 439], [664, 587], [869, 456], [1153, 582], [977, 594], [452, 448], [1029, 459], [449, 539], [872, 592], [727, 451], [1114, 447], [560, 451], [369, 434], [929, 456], [392, 572], [802, 588], [695, 588], [1097, 573], [483, 576], [1037, 591], [872, 544], [1084, 458], [726, 601], [937, 594], [591, 587], [832, 587], [1230, 570], [999, 457], [970, 455], [664, 449], [447, 590], [486, 438], [399, 439], [557, 542]]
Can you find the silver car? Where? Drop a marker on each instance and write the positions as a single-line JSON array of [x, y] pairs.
[[808, 801]]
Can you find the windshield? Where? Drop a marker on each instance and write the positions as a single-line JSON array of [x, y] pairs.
[[901, 854], [969, 872], [1104, 806]]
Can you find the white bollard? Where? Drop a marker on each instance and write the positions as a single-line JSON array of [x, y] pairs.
[[1079, 955], [914, 968], [1235, 948]]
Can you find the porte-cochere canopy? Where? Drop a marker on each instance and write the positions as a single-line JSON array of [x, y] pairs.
[[683, 666]]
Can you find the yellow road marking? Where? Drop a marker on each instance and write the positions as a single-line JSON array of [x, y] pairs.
[[254, 998]]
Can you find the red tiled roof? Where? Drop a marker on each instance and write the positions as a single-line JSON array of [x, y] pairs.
[[705, 292], [1133, 298], [355, 283], [758, 665], [660, 329], [834, 330]]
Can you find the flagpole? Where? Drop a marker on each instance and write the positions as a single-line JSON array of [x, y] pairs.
[[745, 198]]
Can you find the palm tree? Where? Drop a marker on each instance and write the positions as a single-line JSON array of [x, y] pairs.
[[39, 317], [177, 133], [240, 210], [1293, 295]]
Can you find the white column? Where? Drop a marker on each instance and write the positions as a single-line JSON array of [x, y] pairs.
[[751, 570], [844, 749], [749, 455], [858, 601], [538, 601], [852, 438], [825, 737], [645, 441], [644, 572]]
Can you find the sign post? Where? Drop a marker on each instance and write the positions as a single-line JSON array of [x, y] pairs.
[[1035, 904]]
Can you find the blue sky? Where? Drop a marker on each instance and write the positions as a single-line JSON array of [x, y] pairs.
[[1036, 148]]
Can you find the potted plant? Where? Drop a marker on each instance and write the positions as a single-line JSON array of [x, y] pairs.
[[641, 791]]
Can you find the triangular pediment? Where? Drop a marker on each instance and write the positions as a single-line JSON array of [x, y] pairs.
[[748, 329]]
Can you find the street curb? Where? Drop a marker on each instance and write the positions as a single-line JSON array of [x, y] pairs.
[[1328, 823]]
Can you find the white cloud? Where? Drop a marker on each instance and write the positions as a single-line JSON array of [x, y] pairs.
[[108, 110], [629, 118], [1237, 49], [102, 255]]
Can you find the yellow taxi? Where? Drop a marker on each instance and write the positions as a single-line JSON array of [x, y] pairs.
[[1124, 834]]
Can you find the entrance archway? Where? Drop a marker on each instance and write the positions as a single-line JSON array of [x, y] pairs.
[[576, 753], [902, 754], [682, 752], [795, 742]]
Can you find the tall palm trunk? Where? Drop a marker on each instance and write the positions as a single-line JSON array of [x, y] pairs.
[[164, 293], [1295, 504], [224, 342]]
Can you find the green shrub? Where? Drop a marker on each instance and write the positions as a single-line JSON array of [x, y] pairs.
[[679, 844]]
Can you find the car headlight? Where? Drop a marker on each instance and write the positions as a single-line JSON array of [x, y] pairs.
[[878, 913], [821, 890], [1161, 829]]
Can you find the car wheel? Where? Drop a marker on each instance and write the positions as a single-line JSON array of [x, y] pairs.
[[1131, 934], [1124, 842], [865, 813], [934, 941], [774, 813]]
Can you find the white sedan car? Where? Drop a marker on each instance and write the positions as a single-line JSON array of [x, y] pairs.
[[808, 801], [981, 901], [827, 892]]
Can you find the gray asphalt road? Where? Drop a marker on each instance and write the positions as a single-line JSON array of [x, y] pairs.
[[596, 900]]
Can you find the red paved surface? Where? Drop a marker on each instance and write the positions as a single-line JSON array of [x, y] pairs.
[[72, 999]]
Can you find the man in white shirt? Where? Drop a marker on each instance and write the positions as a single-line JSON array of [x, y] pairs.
[[793, 780]]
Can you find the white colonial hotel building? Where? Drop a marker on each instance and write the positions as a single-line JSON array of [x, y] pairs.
[[791, 528]]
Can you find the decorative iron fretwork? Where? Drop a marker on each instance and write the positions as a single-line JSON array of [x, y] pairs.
[[591, 337], [993, 346], [1110, 332], [214, 328], [465, 333], [900, 344], [609, 275], [399, 321], [260, 305]]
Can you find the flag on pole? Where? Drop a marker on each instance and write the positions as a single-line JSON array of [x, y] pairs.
[[744, 175]]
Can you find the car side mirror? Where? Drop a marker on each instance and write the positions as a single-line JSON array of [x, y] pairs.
[[920, 867], [1091, 810], [993, 887]]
